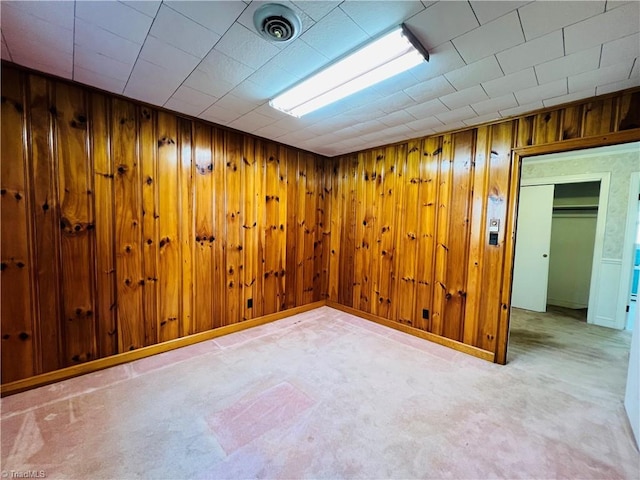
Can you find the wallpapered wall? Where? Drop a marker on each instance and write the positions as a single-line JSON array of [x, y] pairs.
[[620, 164]]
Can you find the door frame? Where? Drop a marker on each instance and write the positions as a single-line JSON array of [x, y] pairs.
[[603, 202], [628, 250]]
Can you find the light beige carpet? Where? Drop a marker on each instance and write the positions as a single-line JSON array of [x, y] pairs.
[[328, 395]]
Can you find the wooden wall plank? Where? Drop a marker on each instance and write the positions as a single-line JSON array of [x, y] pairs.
[[77, 224], [250, 227], [150, 217], [46, 221], [104, 211], [234, 222], [310, 227], [18, 345], [291, 166], [186, 169], [219, 229], [546, 127], [336, 200], [129, 272], [204, 231], [282, 230], [628, 114]]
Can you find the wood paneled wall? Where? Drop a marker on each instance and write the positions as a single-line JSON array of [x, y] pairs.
[[410, 222], [124, 226]]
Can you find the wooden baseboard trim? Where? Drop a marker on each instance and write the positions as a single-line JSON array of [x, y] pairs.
[[447, 342], [125, 357]]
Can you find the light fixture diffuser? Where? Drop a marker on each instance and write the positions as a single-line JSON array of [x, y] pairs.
[[389, 55]]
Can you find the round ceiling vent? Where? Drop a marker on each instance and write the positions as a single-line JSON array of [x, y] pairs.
[[277, 23]]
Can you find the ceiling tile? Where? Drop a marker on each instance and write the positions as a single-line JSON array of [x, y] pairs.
[[442, 59], [20, 28], [99, 40], [434, 88], [272, 79], [441, 22], [236, 104], [270, 131], [494, 104], [572, 97], [511, 83], [464, 97], [611, 4], [375, 17], [487, 10], [55, 12], [148, 7], [99, 63], [160, 53], [115, 17], [569, 65], [184, 107], [539, 18], [396, 83], [521, 109], [450, 126], [151, 83], [315, 9], [612, 25], [542, 92], [216, 16], [475, 73], [219, 115], [246, 47], [98, 80], [528, 54], [424, 123], [462, 113], [5, 51], [427, 109], [194, 97], [55, 64], [395, 102], [492, 37], [620, 50], [334, 35], [488, 117], [217, 74], [396, 118], [251, 121], [602, 76], [299, 59], [175, 29], [251, 91], [635, 72], [617, 86]]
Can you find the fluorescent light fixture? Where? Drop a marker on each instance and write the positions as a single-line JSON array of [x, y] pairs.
[[385, 57]]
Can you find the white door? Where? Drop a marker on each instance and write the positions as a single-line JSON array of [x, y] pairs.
[[533, 236]]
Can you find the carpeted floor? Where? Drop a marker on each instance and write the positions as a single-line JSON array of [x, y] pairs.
[[328, 395]]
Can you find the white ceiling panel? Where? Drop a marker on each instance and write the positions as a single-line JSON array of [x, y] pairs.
[[571, 97], [375, 17], [490, 38], [427, 109], [494, 104], [602, 76], [148, 7], [612, 25], [442, 59], [430, 89], [205, 59], [246, 46], [315, 9], [96, 62], [56, 12], [570, 65], [216, 16], [99, 40], [539, 18], [183, 33], [620, 50], [464, 97], [475, 73], [539, 50], [99, 80], [487, 10], [511, 83], [334, 35], [542, 92], [459, 114], [167, 56], [115, 17], [441, 22]]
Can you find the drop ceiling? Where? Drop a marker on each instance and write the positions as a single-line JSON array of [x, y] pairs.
[[489, 60]]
